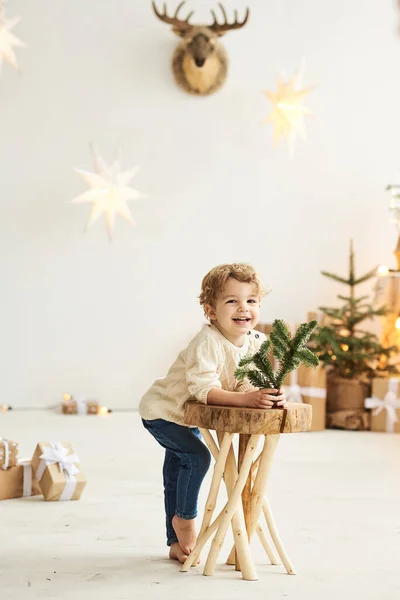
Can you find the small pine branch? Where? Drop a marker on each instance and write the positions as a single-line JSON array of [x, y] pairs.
[[262, 363], [241, 373], [308, 357], [280, 339], [279, 328], [245, 360], [303, 334], [335, 277], [257, 379], [365, 277], [265, 347], [291, 353], [335, 313], [353, 300]]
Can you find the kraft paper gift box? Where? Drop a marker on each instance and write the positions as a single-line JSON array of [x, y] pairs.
[[311, 385], [58, 471], [8, 453], [80, 406], [385, 405], [18, 481], [355, 420]]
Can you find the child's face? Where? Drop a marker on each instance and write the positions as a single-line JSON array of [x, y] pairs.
[[236, 309]]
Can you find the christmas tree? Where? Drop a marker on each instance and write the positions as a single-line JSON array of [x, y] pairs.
[[341, 345], [290, 352]]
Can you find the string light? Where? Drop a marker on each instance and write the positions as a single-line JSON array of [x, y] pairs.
[[397, 324], [344, 347], [103, 410], [383, 270]]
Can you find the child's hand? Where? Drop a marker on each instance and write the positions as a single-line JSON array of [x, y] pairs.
[[282, 403], [265, 398]]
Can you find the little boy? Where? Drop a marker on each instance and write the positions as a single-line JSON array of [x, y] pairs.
[[205, 370]]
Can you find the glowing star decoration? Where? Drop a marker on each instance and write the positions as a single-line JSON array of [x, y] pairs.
[[288, 111], [8, 39], [109, 192]]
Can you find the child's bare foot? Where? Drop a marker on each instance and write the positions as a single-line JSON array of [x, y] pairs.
[[186, 533], [176, 553]]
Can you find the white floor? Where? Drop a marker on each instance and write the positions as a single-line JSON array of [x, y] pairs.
[[335, 496]]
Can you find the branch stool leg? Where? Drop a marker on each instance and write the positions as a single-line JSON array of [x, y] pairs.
[[231, 506], [246, 494], [219, 469], [260, 482], [276, 539], [265, 543], [257, 492], [238, 524], [241, 541]]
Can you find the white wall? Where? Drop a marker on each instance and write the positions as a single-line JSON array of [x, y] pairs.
[[82, 315]]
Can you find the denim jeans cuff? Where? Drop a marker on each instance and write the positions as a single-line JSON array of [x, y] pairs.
[[171, 541], [184, 516]]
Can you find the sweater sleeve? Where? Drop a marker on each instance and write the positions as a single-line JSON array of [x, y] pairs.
[[202, 369], [245, 386]]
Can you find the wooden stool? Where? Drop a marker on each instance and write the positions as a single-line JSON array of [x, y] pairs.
[[246, 481]]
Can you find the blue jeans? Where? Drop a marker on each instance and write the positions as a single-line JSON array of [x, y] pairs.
[[186, 462]]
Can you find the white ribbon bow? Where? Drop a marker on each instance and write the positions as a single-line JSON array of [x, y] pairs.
[[81, 404], [390, 403], [56, 453], [296, 392], [293, 393], [27, 476]]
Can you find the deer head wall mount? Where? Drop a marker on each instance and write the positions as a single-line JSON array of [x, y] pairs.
[[200, 63]]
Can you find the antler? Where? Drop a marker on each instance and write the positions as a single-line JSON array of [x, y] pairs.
[[221, 28], [174, 21]]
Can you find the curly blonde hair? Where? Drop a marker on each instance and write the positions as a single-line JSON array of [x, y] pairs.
[[214, 282]]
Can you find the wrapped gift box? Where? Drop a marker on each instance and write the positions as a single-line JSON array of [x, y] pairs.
[[58, 471], [18, 481], [385, 405], [312, 388], [78, 405], [346, 394], [71, 407], [355, 420], [8, 453]]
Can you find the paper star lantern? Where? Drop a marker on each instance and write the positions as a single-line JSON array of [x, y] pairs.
[[8, 40], [288, 112], [109, 192]]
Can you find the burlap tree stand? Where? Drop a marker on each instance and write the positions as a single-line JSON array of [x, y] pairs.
[[246, 483]]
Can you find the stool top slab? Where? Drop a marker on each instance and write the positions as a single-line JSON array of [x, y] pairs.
[[235, 419]]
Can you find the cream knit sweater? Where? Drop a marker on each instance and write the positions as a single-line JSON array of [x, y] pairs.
[[209, 361]]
